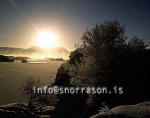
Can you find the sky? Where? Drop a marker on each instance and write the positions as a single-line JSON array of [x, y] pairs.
[[20, 20]]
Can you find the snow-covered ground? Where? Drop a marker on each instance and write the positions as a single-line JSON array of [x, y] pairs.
[[141, 110]]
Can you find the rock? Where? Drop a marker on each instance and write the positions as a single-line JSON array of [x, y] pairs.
[[141, 110], [48, 110], [62, 77], [76, 57], [15, 110], [45, 116], [5, 59], [75, 81]]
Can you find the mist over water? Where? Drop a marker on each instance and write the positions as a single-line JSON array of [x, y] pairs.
[[36, 53]]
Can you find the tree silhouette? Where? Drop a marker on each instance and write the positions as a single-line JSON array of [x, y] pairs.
[[136, 43], [100, 44], [109, 59]]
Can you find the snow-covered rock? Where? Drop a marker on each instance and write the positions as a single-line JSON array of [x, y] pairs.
[[141, 110], [45, 116], [15, 110]]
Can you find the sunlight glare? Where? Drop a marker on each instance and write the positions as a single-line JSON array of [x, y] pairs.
[[46, 39]]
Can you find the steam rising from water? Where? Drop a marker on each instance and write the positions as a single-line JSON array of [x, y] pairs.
[[36, 53]]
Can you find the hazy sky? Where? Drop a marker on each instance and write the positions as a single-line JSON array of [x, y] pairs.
[[20, 19]]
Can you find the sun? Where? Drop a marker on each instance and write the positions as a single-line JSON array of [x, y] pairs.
[[46, 39]]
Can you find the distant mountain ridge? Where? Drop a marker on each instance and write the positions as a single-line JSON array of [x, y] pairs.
[[35, 52]]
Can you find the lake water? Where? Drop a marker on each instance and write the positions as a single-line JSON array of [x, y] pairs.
[[13, 75]]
